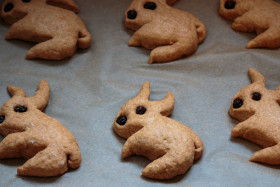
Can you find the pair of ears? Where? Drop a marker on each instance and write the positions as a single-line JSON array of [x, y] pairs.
[[165, 106], [40, 98], [258, 78], [71, 5]]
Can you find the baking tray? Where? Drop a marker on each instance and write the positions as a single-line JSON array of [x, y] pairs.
[[88, 90]]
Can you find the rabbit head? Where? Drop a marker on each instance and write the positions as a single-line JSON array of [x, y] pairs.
[[232, 9], [141, 12], [16, 113], [139, 112], [14, 10], [252, 98]]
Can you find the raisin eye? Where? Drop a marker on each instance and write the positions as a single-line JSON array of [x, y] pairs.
[[230, 5], [141, 110], [150, 5], [132, 14], [20, 109], [26, 1], [256, 96], [8, 7], [237, 103], [121, 120], [2, 118]]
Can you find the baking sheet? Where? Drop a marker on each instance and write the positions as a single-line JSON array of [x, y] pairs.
[[88, 90]]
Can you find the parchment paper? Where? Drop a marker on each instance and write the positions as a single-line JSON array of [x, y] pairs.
[[88, 90]]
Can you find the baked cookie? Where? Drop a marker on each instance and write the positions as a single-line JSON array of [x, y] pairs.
[[259, 112], [260, 16], [169, 32], [49, 147], [57, 29], [172, 146]]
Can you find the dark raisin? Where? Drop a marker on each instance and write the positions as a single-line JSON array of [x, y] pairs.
[[132, 14], [230, 5], [140, 110], [256, 96], [2, 118], [26, 1], [150, 5], [121, 120], [8, 7], [20, 109], [237, 103]]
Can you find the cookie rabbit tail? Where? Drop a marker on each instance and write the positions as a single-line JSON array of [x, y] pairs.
[[198, 144], [269, 155], [84, 39], [172, 52], [175, 162], [74, 158]]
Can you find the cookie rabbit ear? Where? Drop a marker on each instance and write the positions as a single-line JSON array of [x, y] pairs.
[[166, 105], [14, 91], [66, 4], [256, 77], [145, 91], [42, 95]]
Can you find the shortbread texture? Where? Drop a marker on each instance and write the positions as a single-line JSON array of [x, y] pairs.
[[170, 33], [171, 146], [50, 149], [260, 118], [259, 16], [53, 24]]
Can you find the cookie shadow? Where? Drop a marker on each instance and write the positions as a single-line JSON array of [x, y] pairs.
[[175, 179], [18, 162], [46, 180], [52, 63], [12, 162], [120, 139], [79, 52], [39, 180], [142, 162], [25, 45], [251, 146], [143, 51]]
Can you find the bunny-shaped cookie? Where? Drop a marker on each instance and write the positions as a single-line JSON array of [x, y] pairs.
[[259, 111], [260, 16], [172, 146], [49, 147], [48, 22], [169, 32]]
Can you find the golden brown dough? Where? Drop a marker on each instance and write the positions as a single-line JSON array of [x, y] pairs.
[[49, 147], [52, 24], [172, 146], [260, 16], [169, 32], [258, 110]]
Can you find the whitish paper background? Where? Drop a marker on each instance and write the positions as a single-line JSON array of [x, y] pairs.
[[88, 90]]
